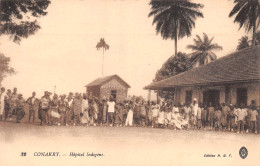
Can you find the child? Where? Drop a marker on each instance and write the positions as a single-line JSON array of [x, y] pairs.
[[232, 117], [225, 110]]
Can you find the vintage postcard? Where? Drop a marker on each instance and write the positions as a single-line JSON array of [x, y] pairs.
[[129, 82]]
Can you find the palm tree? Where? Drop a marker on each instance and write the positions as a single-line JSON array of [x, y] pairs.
[[174, 18], [243, 43], [247, 15], [203, 50], [104, 46]]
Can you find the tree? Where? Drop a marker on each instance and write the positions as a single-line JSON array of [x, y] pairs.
[[4, 67], [18, 17], [174, 19], [173, 66], [203, 50], [243, 43], [247, 15], [104, 46]]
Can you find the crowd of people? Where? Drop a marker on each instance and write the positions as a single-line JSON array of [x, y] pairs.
[[80, 109]]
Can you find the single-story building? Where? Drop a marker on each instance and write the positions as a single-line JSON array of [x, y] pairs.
[[108, 86], [232, 79]]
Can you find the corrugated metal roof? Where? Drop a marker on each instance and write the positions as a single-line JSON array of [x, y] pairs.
[[240, 66], [103, 80]]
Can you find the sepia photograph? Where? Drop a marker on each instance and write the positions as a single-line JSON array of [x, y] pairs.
[[130, 82]]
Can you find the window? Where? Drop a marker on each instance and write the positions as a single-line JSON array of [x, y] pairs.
[[113, 93], [241, 96]]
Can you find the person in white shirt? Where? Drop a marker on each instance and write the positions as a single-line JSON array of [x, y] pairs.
[[195, 108], [111, 110]]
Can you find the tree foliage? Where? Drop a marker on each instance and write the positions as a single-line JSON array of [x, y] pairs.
[[18, 18], [247, 15], [173, 66], [174, 19], [5, 69], [104, 46], [203, 50], [243, 43]]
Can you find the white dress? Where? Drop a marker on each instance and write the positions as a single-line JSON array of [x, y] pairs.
[[129, 119]]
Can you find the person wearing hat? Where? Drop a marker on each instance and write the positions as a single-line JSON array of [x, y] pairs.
[[20, 108], [44, 108]]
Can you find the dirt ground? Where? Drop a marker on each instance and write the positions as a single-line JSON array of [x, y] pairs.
[[122, 146]]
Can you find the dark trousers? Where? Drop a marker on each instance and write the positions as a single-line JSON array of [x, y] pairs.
[[111, 118], [253, 126]]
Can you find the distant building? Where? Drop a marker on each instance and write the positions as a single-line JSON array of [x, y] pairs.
[[108, 86], [233, 79]]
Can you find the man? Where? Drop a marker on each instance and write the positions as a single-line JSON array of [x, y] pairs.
[[253, 120], [14, 97], [76, 107], [211, 115], [195, 108], [31, 101], [241, 114], [44, 107], [111, 110], [84, 110], [20, 108], [224, 117], [62, 108]]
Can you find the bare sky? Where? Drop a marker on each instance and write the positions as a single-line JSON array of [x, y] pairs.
[[63, 52]]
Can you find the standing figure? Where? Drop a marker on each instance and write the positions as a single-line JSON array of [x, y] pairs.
[[76, 107], [241, 114], [84, 110], [195, 108], [199, 113], [224, 119], [217, 118], [44, 108], [211, 116], [2, 103], [204, 117], [14, 97], [129, 119], [7, 103], [253, 120], [20, 108], [62, 108], [104, 111], [54, 110], [31, 101], [111, 111]]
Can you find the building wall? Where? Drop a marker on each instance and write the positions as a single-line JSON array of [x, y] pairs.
[[94, 91], [114, 85], [253, 93]]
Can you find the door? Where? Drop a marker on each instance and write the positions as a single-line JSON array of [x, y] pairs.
[[241, 96], [211, 97], [188, 98], [113, 93]]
